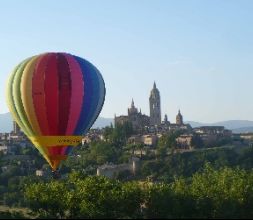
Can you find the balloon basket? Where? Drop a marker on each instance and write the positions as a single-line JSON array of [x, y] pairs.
[[56, 174]]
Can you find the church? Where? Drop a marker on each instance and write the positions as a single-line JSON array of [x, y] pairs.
[[142, 123]]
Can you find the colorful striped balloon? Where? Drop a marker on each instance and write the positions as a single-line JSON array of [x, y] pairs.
[[55, 98]]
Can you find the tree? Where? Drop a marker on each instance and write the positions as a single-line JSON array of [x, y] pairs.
[[103, 152], [161, 202], [47, 199], [209, 193], [120, 134], [167, 142], [223, 193], [90, 197], [108, 133]]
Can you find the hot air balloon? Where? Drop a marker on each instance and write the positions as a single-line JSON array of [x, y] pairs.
[[55, 98]]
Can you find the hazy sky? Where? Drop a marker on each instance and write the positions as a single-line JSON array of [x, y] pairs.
[[200, 53]]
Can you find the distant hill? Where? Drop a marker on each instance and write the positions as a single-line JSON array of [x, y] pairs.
[[6, 122], [243, 130], [236, 126], [103, 122], [231, 124], [195, 124]]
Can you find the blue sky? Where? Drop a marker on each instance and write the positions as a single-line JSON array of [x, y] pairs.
[[200, 53]]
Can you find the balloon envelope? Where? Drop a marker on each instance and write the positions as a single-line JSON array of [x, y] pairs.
[[55, 98]]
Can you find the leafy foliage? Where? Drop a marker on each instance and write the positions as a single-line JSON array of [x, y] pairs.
[[92, 197], [212, 193]]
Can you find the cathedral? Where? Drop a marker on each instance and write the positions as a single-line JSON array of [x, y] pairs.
[[138, 120], [155, 106], [142, 122]]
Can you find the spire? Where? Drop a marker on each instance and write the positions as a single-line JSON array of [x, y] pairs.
[[140, 110], [132, 104], [132, 109], [154, 86]]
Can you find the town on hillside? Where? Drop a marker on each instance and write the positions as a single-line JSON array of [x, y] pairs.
[[148, 129], [145, 136]]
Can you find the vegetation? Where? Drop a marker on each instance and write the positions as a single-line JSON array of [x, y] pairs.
[[206, 183], [90, 197], [167, 143], [211, 193]]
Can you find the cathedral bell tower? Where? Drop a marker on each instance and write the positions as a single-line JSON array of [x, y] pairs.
[[179, 118], [155, 106]]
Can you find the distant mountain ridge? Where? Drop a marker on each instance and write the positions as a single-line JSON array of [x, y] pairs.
[[102, 122], [236, 126], [243, 130], [230, 124], [7, 126], [6, 123]]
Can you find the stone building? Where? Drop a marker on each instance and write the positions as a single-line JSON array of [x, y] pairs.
[[138, 120], [179, 118], [184, 141], [211, 134], [213, 130], [144, 124], [112, 170], [155, 106], [16, 128], [39, 173], [147, 140], [4, 148]]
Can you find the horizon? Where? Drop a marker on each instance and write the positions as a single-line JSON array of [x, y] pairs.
[[171, 121], [199, 53]]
